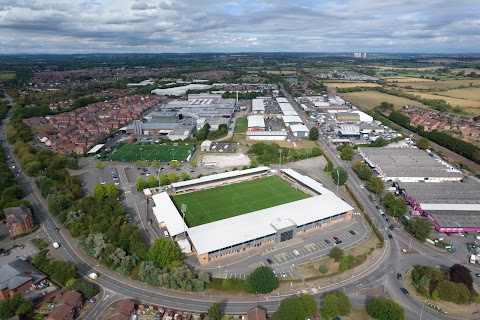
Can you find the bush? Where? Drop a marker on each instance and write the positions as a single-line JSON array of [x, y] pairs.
[[385, 309], [336, 253], [87, 289], [261, 280], [323, 268], [348, 262]]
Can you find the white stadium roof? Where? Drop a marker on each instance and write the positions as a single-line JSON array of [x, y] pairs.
[[306, 180], [290, 113], [256, 121], [258, 224], [96, 148], [281, 99], [165, 211], [219, 176]]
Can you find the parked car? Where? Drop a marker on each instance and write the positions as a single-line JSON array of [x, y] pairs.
[[166, 234], [91, 300], [296, 252], [352, 232], [284, 274], [327, 241], [390, 236], [337, 240], [399, 276], [269, 261]]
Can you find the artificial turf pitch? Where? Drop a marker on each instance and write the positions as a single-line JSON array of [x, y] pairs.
[[162, 153], [219, 203]]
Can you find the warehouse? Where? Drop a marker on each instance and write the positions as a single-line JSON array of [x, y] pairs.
[[450, 206], [258, 106], [256, 122], [292, 120], [299, 130], [348, 131], [266, 135], [347, 117], [408, 165]]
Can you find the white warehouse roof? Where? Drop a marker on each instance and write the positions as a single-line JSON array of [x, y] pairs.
[[256, 121], [292, 119], [364, 117], [299, 128], [96, 148], [281, 99], [289, 113], [257, 105]]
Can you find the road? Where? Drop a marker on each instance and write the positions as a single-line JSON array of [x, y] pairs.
[[116, 286]]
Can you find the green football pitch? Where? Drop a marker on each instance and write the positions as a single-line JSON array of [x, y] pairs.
[[228, 201], [162, 153]]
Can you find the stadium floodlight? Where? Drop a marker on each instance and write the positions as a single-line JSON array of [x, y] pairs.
[[183, 209]]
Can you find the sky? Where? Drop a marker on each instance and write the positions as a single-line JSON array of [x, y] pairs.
[[184, 26]]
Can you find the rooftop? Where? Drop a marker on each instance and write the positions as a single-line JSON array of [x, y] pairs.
[[290, 119], [18, 272], [256, 121], [455, 193]]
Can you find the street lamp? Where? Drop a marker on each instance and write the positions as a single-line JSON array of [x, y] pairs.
[[183, 209]]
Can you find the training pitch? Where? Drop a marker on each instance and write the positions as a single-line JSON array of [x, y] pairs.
[[232, 200], [162, 153]]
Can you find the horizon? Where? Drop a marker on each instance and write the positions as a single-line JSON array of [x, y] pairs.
[[265, 26]]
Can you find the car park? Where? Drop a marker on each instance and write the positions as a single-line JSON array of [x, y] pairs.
[[399, 276]]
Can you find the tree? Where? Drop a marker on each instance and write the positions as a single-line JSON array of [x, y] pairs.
[[423, 143], [336, 253], [290, 309], [172, 177], [58, 203], [323, 268], [152, 181], [99, 165], [329, 307], [141, 184], [309, 304], [419, 227], [155, 164], [163, 180], [461, 274], [344, 305], [99, 191], [215, 312], [339, 176], [328, 167], [385, 309], [193, 163], [313, 134], [86, 288], [365, 173], [184, 176], [346, 152], [111, 190], [253, 163], [261, 280], [15, 305], [376, 185], [164, 252], [452, 291]]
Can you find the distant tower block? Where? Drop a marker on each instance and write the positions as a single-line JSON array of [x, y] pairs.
[[364, 55]]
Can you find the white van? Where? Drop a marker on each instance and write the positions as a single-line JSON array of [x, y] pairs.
[[472, 259]]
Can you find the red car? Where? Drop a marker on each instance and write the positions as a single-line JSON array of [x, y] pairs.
[[337, 240]]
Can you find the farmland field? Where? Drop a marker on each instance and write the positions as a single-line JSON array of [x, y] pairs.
[[470, 106], [7, 75], [467, 93], [439, 84], [371, 99], [401, 79], [236, 199], [162, 153], [350, 84]]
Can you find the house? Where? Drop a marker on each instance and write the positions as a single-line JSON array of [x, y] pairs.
[[19, 220], [206, 145], [257, 313], [70, 304], [17, 276], [122, 310]]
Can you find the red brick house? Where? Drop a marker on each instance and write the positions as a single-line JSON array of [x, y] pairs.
[[71, 303], [17, 276], [122, 310], [19, 220]]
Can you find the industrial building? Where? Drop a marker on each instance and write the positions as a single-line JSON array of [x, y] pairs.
[[178, 91], [408, 165], [248, 231], [266, 135], [292, 120], [347, 117], [348, 131], [450, 206], [258, 106], [256, 122], [299, 130]]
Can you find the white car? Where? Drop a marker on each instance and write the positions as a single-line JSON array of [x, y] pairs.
[[103, 183], [296, 252], [361, 186], [147, 174], [166, 234]]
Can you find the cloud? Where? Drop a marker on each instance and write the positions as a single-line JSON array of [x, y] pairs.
[[64, 26]]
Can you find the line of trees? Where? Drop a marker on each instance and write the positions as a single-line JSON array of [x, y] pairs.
[[374, 184], [267, 154]]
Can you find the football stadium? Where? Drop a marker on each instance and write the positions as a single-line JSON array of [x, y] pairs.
[[230, 212]]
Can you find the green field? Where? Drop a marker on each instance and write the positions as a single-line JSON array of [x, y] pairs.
[[228, 201], [162, 153], [241, 125]]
